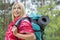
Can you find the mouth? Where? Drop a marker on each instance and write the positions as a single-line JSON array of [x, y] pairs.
[[16, 12]]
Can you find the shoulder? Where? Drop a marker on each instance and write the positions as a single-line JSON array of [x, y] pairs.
[[26, 21], [11, 23]]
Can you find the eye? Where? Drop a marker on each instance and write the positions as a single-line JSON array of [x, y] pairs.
[[19, 7], [14, 8]]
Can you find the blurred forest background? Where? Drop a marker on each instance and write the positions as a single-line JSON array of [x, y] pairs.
[[43, 7]]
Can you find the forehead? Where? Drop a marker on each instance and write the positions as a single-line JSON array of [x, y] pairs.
[[17, 5]]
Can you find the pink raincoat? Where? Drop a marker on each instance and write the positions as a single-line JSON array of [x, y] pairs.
[[24, 27]]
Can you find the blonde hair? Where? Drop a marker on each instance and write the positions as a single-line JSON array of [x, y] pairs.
[[22, 9]]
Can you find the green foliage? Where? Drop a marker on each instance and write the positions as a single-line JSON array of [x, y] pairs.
[[2, 27], [1, 21], [52, 30], [56, 11], [2, 33]]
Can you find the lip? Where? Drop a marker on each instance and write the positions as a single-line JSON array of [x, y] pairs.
[[16, 12]]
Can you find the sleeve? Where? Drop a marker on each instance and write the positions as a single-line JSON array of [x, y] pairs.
[[9, 35], [26, 27]]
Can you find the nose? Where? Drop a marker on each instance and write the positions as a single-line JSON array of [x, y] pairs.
[[16, 9]]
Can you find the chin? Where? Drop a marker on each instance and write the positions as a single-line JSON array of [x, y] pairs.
[[17, 16]]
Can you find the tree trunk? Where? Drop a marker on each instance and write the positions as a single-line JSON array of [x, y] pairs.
[[51, 9]]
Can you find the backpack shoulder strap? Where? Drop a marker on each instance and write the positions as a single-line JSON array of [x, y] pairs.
[[20, 19]]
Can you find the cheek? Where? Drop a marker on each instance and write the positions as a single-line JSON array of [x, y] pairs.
[[19, 10], [14, 11]]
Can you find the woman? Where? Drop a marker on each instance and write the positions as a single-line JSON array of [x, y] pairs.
[[24, 31]]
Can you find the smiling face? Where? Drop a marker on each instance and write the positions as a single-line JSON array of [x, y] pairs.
[[16, 10]]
